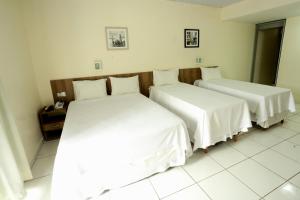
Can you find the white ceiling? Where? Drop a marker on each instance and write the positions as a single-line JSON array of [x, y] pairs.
[[213, 3], [272, 14]]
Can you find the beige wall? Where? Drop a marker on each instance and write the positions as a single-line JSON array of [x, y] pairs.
[[66, 36], [289, 68], [17, 76]]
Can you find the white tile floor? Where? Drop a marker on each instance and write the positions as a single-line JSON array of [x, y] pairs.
[[260, 165]]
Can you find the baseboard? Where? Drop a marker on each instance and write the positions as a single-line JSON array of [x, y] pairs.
[[37, 152]]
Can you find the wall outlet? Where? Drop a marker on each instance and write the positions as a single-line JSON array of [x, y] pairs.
[[61, 94], [199, 60], [98, 64]]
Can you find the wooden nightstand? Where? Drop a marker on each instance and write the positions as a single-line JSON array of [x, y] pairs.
[[52, 122]]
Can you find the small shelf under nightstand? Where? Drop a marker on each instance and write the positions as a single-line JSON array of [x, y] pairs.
[[52, 122]]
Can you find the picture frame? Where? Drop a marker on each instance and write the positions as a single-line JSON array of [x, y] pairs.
[[116, 38], [191, 38]]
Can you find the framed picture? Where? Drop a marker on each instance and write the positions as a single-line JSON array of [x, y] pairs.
[[191, 38], [116, 38]]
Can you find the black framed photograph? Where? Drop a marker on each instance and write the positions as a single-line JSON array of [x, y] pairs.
[[116, 38], [191, 38]]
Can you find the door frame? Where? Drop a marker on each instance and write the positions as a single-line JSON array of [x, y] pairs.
[[264, 26]]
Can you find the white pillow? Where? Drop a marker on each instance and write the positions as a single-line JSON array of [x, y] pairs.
[[89, 89], [165, 77], [210, 73], [124, 85]]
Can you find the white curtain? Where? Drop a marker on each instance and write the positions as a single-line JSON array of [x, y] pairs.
[[13, 162]]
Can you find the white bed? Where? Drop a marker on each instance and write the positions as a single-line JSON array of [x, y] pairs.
[[210, 117], [113, 141], [268, 105]]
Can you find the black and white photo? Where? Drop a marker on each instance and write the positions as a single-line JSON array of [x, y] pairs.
[[116, 38], [191, 38]]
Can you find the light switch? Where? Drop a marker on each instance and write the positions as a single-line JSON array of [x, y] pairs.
[[98, 64]]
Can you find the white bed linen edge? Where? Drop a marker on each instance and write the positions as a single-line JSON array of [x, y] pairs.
[[211, 117], [113, 141], [268, 105]]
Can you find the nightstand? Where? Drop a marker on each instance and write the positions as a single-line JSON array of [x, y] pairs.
[[52, 122]]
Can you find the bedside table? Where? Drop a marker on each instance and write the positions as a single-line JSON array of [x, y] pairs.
[[52, 122]]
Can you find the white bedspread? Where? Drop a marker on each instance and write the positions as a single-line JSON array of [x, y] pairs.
[[211, 117], [113, 141], [267, 104]]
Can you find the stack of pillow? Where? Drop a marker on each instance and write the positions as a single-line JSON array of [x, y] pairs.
[[90, 89]]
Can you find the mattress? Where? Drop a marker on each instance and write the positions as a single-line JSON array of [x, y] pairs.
[[268, 105], [114, 141], [210, 117]]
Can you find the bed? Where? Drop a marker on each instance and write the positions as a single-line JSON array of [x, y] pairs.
[[210, 117], [113, 141], [268, 105]]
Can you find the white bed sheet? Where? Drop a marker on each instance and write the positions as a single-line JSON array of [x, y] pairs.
[[211, 117], [268, 105], [113, 141]]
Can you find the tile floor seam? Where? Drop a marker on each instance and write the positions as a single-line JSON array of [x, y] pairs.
[[33, 165], [45, 156], [292, 178], [292, 120], [225, 168], [281, 126], [34, 178], [214, 173], [269, 148], [188, 174], [209, 175], [48, 174], [265, 145], [243, 183], [202, 189], [290, 128], [296, 144], [286, 155], [275, 189], [178, 191], [293, 116], [173, 192], [251, 155], [198, 184], [153, 188], [40, 177], [269, 169], [293, 184], [286, 180], [37, 153]]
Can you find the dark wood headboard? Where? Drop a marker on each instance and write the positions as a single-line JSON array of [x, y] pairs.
[[188, 75]]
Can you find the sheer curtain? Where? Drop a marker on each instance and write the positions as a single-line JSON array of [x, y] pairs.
[[13, 163]]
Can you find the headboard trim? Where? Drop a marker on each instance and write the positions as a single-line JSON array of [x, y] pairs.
[[186, 75]]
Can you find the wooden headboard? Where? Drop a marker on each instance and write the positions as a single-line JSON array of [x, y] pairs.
[[188, 75]]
